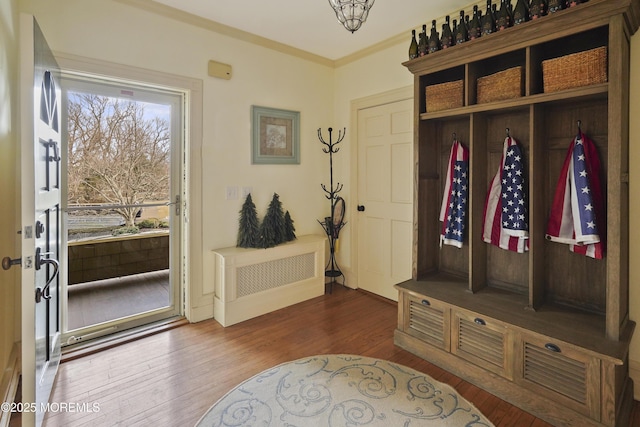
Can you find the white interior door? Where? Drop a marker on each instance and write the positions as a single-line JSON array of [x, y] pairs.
[[385, 196], [40, 207]]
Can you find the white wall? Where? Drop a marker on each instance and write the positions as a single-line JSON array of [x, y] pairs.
[[9, 316], [115, 32]]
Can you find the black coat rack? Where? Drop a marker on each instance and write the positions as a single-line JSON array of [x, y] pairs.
[[334, 223]]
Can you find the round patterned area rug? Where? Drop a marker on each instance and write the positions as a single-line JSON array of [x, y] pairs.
[[341, 391]]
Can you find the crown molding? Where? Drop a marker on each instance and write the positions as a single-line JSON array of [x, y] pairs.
[[207, 24]]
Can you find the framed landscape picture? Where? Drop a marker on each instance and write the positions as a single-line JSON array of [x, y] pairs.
[[275, 136]]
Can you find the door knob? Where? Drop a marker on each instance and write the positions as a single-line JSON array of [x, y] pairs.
[[8, 262], [360, 208]]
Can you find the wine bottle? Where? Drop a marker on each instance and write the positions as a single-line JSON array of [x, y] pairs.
[[434, 38], [461, 31], [413, 47], [556, 5], [488, 23], [454, 32], [521, 12], [475, 28], [537, 8], [504, 18], [447, 36], [422, 44]]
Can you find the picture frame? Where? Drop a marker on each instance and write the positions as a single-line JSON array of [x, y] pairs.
[[275, 136]]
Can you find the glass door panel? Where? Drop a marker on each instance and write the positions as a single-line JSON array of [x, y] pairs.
[[123, 191]]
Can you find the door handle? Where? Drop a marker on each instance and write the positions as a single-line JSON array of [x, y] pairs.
[[7, 262], [360, 208], [45, 292], [52, 144]]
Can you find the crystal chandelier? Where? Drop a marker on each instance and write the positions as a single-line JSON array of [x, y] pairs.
[[351, 13]]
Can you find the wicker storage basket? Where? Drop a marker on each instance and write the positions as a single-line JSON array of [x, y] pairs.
[[444, 96], [575, 70], [502, 85]]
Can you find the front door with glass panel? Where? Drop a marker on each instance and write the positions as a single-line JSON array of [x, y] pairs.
[[40, 231], [123, 199]]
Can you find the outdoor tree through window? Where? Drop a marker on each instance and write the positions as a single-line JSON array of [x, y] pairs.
[[119, 153]]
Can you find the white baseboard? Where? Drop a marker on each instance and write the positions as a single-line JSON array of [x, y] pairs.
[[10, 381], [198, 314]]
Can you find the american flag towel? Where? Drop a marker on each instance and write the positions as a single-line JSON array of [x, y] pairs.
[[577, 213], [506, 222], [454, 199]]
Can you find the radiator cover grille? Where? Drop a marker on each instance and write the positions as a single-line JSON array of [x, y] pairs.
[[255, 278]]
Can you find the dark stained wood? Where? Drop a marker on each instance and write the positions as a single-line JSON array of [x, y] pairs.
[[635, 414], [172, 378]]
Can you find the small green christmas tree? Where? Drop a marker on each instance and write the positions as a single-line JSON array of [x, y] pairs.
[[249, 228], [272, 228], [289, 229]]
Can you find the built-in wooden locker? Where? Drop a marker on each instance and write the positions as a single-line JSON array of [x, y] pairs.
[[547, 330]]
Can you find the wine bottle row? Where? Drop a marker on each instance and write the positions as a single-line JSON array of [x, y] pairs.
[[470, 27]]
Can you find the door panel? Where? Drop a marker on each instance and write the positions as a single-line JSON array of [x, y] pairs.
[[376, 179], [401, 233], [401, 155], [385, 189], [373, 261], [40, 206]]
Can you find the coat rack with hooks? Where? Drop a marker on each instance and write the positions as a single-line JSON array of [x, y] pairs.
[[334, 223]]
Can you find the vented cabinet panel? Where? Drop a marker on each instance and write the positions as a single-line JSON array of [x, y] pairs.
[[562, 373], [255, 278], [427, 320], [483, 341]]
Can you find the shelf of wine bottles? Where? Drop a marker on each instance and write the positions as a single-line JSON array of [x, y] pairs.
[[476, 23]]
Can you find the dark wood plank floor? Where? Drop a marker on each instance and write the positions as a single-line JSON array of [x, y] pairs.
[[109, 299], [172, 378]]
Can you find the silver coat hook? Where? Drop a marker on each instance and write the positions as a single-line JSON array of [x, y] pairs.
[[579, 128]]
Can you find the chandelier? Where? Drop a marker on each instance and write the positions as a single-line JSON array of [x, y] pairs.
[[351, 13]]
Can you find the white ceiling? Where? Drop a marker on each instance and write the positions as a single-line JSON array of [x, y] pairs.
[[311, 25]]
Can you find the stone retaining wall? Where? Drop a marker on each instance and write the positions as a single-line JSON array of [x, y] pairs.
[[120, 256]]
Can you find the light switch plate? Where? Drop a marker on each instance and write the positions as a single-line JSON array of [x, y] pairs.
[[232, 192]]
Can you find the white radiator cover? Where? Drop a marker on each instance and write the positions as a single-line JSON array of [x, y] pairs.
[[252, 282]]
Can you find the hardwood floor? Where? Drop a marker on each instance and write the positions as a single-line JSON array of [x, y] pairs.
[[172, 378]]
